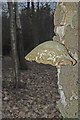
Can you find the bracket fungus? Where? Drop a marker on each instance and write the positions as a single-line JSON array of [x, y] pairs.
[[55, 54], [51, 52]]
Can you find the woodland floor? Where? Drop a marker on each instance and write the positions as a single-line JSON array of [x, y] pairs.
[[37, 96]]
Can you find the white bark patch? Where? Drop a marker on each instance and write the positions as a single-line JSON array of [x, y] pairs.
[[63, 98], [60, 31], [61, 92]]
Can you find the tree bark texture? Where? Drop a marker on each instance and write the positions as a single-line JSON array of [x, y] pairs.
[[13, 44], [20, 46]]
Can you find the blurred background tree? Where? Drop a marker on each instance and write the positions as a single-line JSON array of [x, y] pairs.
[[37, 20]]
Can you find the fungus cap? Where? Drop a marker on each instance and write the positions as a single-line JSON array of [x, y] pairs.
[[51, 52]]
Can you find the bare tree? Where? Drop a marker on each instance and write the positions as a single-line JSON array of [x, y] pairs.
[[32, 5], [20, 45], [28, 4], [13, 44], [38, 5]]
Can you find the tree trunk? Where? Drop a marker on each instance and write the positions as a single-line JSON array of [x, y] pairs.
[[34, 25], [37, 6], [32, 3], [13, 44], [28, 5], [20, 45]]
